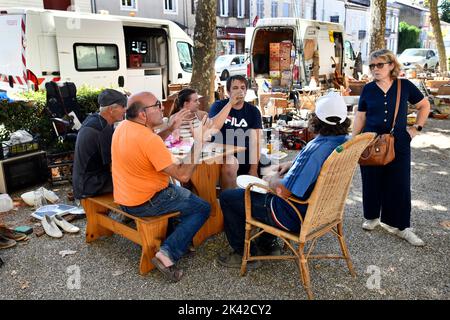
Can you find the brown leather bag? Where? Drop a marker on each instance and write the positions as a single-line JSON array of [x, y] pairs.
[[381, 150]]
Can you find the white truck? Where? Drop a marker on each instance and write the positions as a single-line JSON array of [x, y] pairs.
[[99, 50], [318, 43]]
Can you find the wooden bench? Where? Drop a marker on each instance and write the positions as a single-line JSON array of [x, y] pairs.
[[150, 232]]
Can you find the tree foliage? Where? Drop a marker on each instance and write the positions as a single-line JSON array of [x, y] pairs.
[[408, 36], [445, 8]]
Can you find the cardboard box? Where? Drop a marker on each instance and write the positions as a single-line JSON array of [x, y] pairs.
[[285, 64], [286, 78], [274, 50], [274, 64], [285, 50]]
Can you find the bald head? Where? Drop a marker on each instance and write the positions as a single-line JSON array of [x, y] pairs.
[[138, 101], [141, 97]]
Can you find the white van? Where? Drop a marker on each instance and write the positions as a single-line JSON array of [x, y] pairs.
[[94, 49], [307, 38]]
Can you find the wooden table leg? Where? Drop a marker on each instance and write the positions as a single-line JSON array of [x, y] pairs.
[[204, 180]]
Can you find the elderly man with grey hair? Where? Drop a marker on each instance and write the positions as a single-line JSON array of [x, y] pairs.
[[92, 164]]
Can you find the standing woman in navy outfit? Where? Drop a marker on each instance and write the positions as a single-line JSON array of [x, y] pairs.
[[387, 189]]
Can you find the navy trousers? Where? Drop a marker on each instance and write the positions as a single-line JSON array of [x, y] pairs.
[[387, 189]]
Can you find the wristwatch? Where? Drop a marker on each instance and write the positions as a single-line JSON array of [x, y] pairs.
[[418, 128]]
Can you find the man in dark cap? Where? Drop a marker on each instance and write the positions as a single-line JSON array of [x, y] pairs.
[[92, 164]]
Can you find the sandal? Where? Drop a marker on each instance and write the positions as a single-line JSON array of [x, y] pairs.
[[172, 273], [6, 242], [11, 234]]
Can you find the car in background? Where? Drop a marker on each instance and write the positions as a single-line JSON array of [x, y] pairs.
[[413, 58], [230, 65]]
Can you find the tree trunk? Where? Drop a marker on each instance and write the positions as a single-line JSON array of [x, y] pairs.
[[204, 49], [436, 24], [377, 24]]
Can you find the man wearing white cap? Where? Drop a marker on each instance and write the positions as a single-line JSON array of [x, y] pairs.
[[295, 179]]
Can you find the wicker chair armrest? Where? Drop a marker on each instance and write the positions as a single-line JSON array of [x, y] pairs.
[[248, 200], [298, 200]]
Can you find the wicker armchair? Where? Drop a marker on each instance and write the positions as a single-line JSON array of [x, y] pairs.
[[325, 211]]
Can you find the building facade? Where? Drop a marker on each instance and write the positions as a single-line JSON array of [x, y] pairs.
[[73, 5], [233, 16], [179, 11]]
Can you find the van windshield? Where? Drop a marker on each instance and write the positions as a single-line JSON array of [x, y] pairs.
[[185, 56]]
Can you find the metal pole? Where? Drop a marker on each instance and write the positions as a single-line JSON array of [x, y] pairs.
[[93, 6]]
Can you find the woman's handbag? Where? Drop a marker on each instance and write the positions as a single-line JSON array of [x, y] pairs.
[[381, 150]]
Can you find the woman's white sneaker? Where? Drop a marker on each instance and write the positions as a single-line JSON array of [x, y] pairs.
[[370, 224], [411, 237], [388, 228]]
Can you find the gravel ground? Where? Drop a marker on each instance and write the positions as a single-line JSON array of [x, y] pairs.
[[387, 267]]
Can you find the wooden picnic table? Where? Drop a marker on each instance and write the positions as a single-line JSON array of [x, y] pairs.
[[204, 181]]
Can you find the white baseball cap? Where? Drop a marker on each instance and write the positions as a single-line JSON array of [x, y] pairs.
[[331, 105]]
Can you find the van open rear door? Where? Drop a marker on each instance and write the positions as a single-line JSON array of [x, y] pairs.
[[91, 51], [12, 51]]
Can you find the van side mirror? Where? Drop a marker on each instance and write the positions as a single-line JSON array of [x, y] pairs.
[[180, 76], [11, 81], [121, 81], [233, 63]]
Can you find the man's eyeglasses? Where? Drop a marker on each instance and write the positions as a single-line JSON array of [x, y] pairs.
[[378, 65], [157, 104]]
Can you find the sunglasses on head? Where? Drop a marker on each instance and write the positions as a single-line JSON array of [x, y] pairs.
[[379, 65]]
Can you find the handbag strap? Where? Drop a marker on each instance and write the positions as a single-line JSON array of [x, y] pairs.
[[397, 103]]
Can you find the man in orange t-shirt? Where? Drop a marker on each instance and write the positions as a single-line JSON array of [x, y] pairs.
[[141, 167]]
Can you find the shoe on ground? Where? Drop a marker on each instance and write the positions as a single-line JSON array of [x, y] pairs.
[[234, 260], [411, 237], [6, 242], [371, 224], [50, 227], [171, 273], [63, 224], [190, 252], [388, 228], [11, 234], [273, 250]]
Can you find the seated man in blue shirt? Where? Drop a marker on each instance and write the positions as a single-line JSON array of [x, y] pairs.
[[293, 179]]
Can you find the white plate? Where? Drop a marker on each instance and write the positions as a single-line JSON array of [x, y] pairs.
[[244, 180], [180, 150]]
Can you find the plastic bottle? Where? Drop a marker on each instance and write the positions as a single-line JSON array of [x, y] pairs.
[[275, 144], [6, 202]]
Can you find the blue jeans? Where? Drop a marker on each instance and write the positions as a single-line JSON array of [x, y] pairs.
[[193, 214], [233, 208]]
